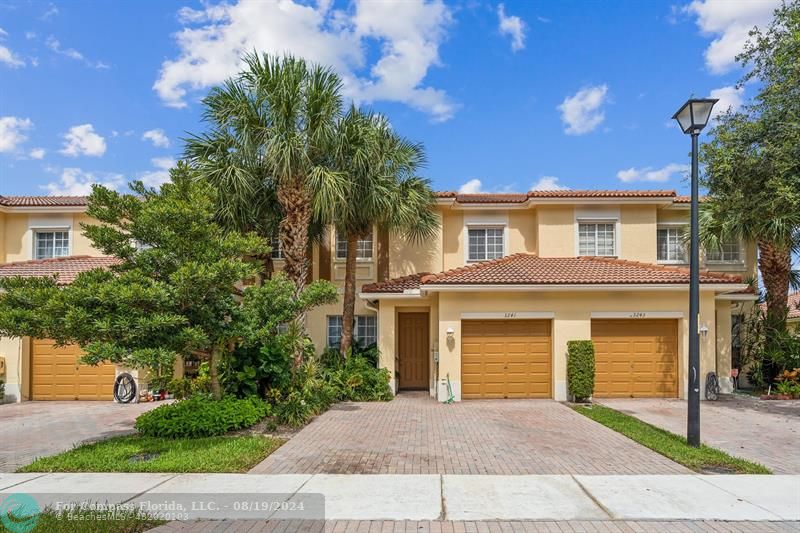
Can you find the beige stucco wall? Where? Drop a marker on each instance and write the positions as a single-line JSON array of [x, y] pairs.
[[18, 228], [638, 233], [409, 257], [556, 231], [16, 352], [572, 321]]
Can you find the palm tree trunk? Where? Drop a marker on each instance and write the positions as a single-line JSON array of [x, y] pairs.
[[775, 263], [348, 311], [213, 371], [295, 202]]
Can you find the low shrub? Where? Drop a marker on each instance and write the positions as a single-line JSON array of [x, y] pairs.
[[308, 395], [580, 369], [200, 416], [2, 391], [182, 388], [358, 380]]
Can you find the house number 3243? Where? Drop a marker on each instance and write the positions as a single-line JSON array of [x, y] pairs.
[[638, 315], [511, 315]]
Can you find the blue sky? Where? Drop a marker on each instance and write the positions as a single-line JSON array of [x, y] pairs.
[[504, 96]]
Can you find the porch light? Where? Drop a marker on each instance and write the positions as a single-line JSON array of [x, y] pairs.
[[451, 334], [694, 114]]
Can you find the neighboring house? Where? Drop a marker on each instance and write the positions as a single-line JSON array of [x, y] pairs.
[[793, 319], [487, 306]]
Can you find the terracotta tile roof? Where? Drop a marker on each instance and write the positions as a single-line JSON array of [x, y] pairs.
[[44, 201], [66, 268], [506, 198], [396, 285], [529, 269], [793, 303], [686, 199]]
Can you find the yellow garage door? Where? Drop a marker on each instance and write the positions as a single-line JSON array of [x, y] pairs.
[[636, 358], [58, 375], [505, 359]]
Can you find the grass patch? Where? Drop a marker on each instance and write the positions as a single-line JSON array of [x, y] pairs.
[[92, 522], [670, 445], [150, 454]]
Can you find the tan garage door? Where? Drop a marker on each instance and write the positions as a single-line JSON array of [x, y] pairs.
[[505, 359], [57, 374], [636, 358]]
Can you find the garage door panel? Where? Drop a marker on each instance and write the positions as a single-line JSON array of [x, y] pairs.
[[635, 358], [58, 375], [505, 359]]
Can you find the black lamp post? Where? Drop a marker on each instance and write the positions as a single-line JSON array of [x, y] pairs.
[[693, 117]]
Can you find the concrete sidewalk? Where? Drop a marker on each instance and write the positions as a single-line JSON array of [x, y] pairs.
[[446, 497]]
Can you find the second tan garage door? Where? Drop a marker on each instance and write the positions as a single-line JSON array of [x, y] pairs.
[[505, 359], [636, 358], [57, 374]]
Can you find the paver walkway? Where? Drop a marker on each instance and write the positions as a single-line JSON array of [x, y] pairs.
[[767, 432], [34, 429], [414, 434], [435, 526]]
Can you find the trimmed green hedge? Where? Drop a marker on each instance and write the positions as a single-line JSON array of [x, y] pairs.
[[200, 416], [580, 369]]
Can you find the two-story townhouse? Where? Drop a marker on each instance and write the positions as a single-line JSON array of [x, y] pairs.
[[485, 309]]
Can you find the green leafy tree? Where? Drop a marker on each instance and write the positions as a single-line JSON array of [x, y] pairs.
[[384, 192], [175, 291], [752, 161]]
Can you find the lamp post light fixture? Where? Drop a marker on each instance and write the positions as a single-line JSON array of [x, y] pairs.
[[692, 118]]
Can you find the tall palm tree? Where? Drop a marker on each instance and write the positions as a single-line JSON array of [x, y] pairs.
[[270, 138], [268, 149], [384, 192]]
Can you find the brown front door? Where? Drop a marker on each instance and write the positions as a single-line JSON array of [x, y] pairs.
[[412, 351]]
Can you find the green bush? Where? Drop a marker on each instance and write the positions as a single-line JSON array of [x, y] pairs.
[[308, 395], [254, 369], [200, 416], [182, 388], [580, 369], [2, 391], [358, 380]]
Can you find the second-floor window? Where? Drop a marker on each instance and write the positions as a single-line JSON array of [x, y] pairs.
[[49, 244], [670, 245], [486, 243], [363, 247], [730, 251], [277, 249], [596, 238]]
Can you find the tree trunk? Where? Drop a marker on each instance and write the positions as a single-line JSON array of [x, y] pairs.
[[348, 310], [213, 372], [295, 203], [775, 263]]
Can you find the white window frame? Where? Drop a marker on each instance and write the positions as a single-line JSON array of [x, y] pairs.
[[335, 322], [613, 222], [478, 227], [722, 260], [276, 252], [360, 248], [54, 230], [681, 228]]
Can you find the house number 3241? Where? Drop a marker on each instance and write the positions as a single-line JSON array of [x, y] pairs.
[[511, 315], [638, 315]]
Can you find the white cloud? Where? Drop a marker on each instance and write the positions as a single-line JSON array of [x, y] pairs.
[[160, 174], [407, 35], [55, 45], [582, 112], [7, 56], [51, 12], [37, 153], [548, 183], [729, 22], [157, 137], [78, 182], [11, 132], [512, 26], [651, 174], [82, 140], [471, 187], [729, 98]]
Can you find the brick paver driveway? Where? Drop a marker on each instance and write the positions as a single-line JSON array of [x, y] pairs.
[[414, 434], [34, 429], [767, 432]]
